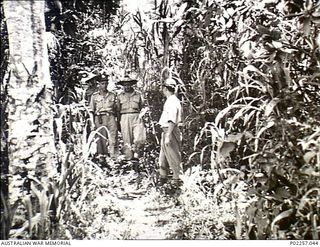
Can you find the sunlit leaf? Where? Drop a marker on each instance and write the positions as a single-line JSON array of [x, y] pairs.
[[260, 132], [270, 106], [281, 216], [308, 156], [227, 148]]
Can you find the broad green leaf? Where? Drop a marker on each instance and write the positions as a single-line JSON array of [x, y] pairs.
[[281, 216], [222, 113], [308, 156], [270, 106], [277, 44], [252, 68], [263, 129], [180, 12], [227, 148], [241, 113]]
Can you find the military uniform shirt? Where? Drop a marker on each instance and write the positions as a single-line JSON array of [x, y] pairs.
[[103, 102], [130, 103]]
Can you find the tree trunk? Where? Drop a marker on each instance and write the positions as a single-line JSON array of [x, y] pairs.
[[31, 141], [165, 35]]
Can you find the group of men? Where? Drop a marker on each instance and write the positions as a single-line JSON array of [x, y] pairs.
[[123, 112]]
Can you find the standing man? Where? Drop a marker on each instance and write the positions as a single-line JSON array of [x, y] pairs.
[[102, 106], [129, 105], [170, 150]]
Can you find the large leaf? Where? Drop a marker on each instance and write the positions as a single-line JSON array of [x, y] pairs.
[[280, 217]]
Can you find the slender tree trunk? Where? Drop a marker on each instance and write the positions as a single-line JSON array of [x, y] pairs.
[[31, 142], [166, 52], [165, 35]]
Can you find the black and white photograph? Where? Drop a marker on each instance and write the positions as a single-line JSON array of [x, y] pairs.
[[160, 120]]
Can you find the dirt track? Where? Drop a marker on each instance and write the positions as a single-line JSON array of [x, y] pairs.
[[132, 208]]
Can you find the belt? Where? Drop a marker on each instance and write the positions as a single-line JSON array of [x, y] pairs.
[[122, 113], [104, 113]]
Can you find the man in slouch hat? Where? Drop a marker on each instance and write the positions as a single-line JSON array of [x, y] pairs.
[[129, 105]]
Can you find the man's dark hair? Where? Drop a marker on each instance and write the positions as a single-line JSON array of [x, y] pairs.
[[171, 89]]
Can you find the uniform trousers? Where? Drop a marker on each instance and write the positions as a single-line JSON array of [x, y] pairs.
[[130, 130], [170, 154], [108, 136]]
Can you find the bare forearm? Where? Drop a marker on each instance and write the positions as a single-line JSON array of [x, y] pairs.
[[171, 127]]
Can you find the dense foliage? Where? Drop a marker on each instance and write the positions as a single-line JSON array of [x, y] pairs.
[[249, 74]]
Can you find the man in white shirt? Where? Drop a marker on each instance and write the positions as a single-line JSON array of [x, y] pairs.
[[170, 152]]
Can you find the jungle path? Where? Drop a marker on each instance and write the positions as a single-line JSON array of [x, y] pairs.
[[130, 206]]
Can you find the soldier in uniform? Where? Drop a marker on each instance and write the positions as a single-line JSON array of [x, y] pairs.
[[103, 108], [170, 151], [129, 105]]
